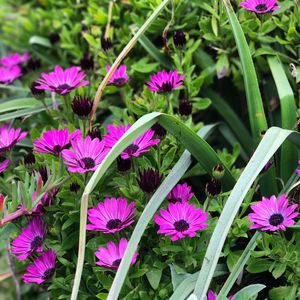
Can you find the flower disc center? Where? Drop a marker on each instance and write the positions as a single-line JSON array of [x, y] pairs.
[[89, 163], [276, 219], [261, 7], [113, 224], [181, 225]]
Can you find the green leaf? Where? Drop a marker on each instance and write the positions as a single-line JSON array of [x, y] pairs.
[[154, 276], [257, 117], [248, 292], [289, 153], [19, 104], [272, 140], [39, 40], [259, 265]]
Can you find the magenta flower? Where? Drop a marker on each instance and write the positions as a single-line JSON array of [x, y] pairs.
[[298, 171], [181, 220], [180, 193], [260, 6], [85, 156], [4, 165], [273, 214], [119, 77], [111, 256], [8, 75], [14, 59], [42, 268], [30, 239], [9, 137], [55, 141], [62, 81], [111, 216], [213, 296], [140, 145], [164, 82]]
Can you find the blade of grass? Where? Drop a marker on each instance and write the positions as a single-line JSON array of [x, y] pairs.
[[257, 117], [123, 54], [272, 140], [156, 200], [233, 121], [197, 146], [289, 153], [21, 103]]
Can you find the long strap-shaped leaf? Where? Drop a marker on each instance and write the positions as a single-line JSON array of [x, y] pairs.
[[196, 145], [257, 117], [265, 150], [289, 153], [233, 121]]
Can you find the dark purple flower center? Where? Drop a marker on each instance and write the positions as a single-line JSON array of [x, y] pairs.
[[89, 163], [113, 224], [131, 149], [276, 219], [175, 199], [116, 262], [63, 87], [261, 7], [181, 225], [119, 81], [36, 242], [166, 87], [48, 274], [57, 149]]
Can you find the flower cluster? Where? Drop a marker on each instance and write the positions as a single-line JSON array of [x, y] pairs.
[[10, 67], [29, 242]]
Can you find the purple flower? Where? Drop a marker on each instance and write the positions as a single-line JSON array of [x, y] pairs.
[[111, 256], [30, 239], [42, 268], [9, 137], [298, 171], [181, 220], [47, 200], [111, 216], [140, 145], [119, 77], [55, 141], [213, 296], [273, 214], [86, 155], [260, 6], [62, 81], [180, 193], [4, 165], [14, 59], [164, 82], [8, 75]]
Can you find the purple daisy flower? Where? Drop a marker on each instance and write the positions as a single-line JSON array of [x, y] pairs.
[[164, 82], [140, 145], [30, 239], [85, 156], [55, 141], [119, 77], [8, 75], [42, 268], [14, 59], [111, 216], [260, 6], [62, 81], [180, 193], [110, 256], [213, 296], [181, 220], [4, 165], [273, 214], [9, 137]]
